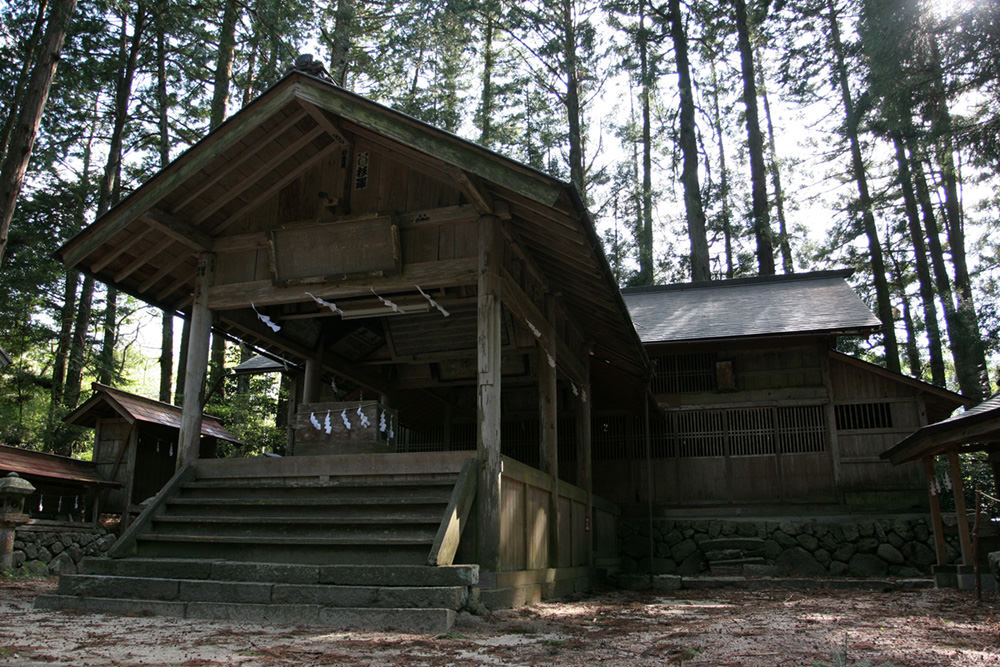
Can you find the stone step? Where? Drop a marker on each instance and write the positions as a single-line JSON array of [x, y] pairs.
[[293, 493], [802, 583], [731, 543], [338, 511], [326, 501], [396, 519], [362, 575], [385, 539], [208, 590], [278, 550], [295, 528], [420, 621], [346, 481]]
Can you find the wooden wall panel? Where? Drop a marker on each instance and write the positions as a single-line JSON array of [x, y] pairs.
[[565, 532], [580, 535], [512, 518], [694, 480], [808, 475], [754, 478], [537, 527]]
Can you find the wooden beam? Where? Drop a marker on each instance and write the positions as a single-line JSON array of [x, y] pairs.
[[232, 166], [261, 171], [584, 466], [173, 287], [270, 191], [936, 523], [445, 273], [189, 438], [323, 121], [961, 516], [525, 309], [120, 250], [164, 270], [178, 173], [489, 327], [453, 150], [479, 198], [139, 261], [178, 229]]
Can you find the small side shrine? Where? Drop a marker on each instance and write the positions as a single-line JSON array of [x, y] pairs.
[[65, 489], [135, 443], [975, 430]]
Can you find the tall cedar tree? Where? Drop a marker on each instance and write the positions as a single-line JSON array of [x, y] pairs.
[[755, 145], [17, 153]]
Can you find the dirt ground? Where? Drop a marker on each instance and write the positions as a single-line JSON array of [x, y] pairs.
[[765, 628]]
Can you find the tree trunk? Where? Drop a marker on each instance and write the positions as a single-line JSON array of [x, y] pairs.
[[911, 348], [22, 140], [726, 215], [78, 348], [163, 125], [486, 99], [755, 146], [572, 100], [689, 145], [340, 48], [864, 197], [62, 350], [224, 63], [922, 267], [966, 371], [787, 265], [644, 238], [22, 76], [943, 129]]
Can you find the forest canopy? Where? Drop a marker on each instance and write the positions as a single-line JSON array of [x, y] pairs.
[[710, 140]]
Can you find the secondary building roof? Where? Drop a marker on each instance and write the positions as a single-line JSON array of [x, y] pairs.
[[804, 303], [979, 424], [40, 464], [110, 402]]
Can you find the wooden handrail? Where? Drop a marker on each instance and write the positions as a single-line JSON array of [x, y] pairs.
[[125, 546], [456, 516]]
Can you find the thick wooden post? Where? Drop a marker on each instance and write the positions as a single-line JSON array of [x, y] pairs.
[[189, 440], [548, 440], [488, 350], [961, 516], [936, 523], [584, 471], [310, 383]]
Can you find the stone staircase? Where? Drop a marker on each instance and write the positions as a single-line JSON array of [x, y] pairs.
[[731, 555], [346, 542]]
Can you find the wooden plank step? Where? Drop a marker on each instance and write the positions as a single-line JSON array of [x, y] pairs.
[[321, 483]]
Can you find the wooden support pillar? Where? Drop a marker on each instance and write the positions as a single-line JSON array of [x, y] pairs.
[[961, 516], [548, 440], [584, 470], [936, 523], [488, 348], [189, 440], [294, 392], [310, 383]]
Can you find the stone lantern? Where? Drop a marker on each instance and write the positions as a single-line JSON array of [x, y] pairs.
[[13, 492]]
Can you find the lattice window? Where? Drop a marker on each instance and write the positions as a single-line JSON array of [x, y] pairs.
[[863, 416], [801, 429], [699, 432], [680, 373], [751, 431], [615, 438]]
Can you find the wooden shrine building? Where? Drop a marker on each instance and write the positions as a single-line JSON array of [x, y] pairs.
[[451, 313], [135, 443], [759, 409]]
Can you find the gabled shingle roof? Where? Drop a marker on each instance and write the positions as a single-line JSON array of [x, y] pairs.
[[819, 302]]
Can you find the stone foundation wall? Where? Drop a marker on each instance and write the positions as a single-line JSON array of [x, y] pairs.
[[901, 546], [41, 549]]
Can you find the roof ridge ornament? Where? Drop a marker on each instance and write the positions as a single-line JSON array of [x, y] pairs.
[[306, 64]]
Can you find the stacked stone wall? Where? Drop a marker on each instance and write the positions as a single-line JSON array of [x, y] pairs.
[[41, 550], [901, 546]]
